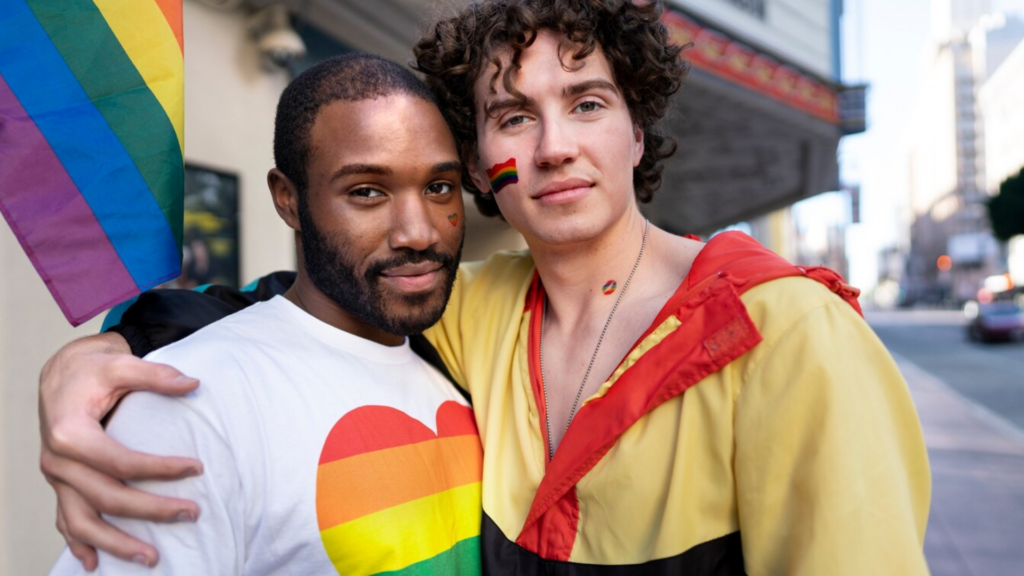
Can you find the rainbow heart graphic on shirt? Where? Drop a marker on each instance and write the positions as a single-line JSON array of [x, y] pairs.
[[392, 496]]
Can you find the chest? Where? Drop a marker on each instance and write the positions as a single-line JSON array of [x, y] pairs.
[[653, 435], [351, 479], [577, 362], [661, 487]]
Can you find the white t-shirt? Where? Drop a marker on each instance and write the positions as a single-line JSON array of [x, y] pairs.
[[322, 451]]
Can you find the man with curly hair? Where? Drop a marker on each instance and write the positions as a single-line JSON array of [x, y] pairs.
[[648, 404]]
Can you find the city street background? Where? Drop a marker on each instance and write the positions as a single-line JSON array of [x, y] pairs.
[[970, 398]]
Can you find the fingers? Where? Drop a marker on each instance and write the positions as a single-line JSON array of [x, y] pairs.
[[87, 443], [131, 373], [108, 495], [86, 555], [83, 525]]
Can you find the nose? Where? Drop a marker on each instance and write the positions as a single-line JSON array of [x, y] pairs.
[[412, 226], [557, 144]]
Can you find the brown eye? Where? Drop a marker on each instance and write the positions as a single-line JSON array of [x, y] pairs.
[[440, 188], [366, 193]]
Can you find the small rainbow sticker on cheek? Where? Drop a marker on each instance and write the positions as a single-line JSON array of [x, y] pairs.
[[503, 174], [609, 287], [454, 219]]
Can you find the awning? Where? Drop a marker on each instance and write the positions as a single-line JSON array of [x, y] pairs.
[[754, 135]]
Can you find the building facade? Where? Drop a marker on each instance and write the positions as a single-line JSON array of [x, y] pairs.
[[948, 159], [1000, 99]]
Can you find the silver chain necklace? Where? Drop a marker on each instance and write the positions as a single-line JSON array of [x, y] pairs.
[[593, 357]]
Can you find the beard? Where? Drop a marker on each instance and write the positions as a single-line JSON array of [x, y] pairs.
[[332, 272]]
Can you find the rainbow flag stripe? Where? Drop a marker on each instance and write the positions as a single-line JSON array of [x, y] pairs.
[[394, 497], [503, 174], [91, 141]]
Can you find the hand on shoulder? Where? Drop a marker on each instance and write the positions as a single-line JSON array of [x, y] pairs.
[[78, 387]]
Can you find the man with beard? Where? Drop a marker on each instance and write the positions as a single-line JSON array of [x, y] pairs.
[[328, 443]]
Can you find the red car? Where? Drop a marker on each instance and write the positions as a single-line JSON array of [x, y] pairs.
[[997, 321]]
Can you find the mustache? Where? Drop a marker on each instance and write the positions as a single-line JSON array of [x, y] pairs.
[[447, 260]]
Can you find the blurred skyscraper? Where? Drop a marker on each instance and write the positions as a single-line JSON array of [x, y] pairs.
[[1001, 99], [951, 247]]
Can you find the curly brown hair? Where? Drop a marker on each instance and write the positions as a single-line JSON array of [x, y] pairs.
[[646, 66]]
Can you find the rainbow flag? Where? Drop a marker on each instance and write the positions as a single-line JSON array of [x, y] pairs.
[[91, 144], [393, 497], [503, 174]]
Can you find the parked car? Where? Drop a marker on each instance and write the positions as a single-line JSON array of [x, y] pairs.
[[1002, 320]]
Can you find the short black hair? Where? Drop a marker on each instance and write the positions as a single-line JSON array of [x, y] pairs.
[[350, 78]]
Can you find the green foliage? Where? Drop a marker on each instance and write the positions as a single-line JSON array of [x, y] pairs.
[[1006, 210]]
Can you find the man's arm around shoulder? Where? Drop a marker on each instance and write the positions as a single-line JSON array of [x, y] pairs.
[[215, 543]]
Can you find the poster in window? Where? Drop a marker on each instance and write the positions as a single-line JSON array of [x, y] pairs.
[[210, 239]]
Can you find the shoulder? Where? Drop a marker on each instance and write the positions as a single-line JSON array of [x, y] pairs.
[[776, 306], [229, 338], [503, 278], [228, 357], [809, 332], [777, 294], [504, 268]]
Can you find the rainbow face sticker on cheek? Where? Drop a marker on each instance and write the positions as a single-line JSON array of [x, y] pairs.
[[453, 219], [502, 175]]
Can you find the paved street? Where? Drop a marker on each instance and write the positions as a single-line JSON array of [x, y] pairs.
[[971, 401], [990, 374]]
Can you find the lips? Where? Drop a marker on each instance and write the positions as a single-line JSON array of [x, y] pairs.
[[563, 191], [562, 186], [418, 277]]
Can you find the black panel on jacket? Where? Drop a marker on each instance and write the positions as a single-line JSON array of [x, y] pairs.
[[719, 557]]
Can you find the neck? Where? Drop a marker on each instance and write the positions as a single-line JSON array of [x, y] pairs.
[[573, 275], [309, 298]]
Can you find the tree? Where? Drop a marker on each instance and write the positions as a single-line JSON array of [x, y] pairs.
[[1006, 209]]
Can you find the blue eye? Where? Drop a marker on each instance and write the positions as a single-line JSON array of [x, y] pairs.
[[588, 106], [514, 121]]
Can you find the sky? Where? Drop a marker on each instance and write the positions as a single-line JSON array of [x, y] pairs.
[[883, 45], [883, 42]]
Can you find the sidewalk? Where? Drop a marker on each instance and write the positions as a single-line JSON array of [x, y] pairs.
[[976, 527]]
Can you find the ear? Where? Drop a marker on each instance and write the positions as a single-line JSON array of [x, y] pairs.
[[638, 145], [286, 197], [477, 175]]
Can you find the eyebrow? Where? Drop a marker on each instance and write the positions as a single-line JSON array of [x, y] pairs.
[[493, 108], [587, 86], [350, 169], [378, 170], [450, 166]]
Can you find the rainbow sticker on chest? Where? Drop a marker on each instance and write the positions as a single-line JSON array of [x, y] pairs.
[[609, 287], [502, 175]]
